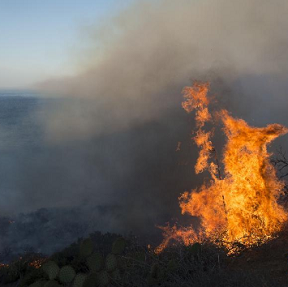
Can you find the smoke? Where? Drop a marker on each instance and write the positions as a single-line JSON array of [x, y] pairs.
[[139, 61], [110, 135], [50, 230]]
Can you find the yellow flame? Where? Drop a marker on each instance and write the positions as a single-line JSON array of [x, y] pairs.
[[241, 205]]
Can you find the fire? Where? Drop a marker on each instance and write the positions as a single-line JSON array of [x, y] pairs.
[[196, 98], [239, 206], [2, 265], [37, 263]]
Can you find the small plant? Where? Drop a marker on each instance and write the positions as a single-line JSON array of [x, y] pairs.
[[79, 280], [95, 262], [66, 274], [87, 268], [51, 269]]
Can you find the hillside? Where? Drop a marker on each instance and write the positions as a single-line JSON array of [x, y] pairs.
[[196, 265]]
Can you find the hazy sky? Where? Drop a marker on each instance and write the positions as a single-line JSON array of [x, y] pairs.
[[38, 39]]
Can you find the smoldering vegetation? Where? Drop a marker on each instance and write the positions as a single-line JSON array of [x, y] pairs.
[[137, 265], [48, 230], [112, 183], [108, 135]]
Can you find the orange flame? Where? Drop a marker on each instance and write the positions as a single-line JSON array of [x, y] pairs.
[[37, 263], [241, 205], [196, 98]]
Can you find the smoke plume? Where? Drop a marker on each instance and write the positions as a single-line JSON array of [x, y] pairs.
[[111, 133]]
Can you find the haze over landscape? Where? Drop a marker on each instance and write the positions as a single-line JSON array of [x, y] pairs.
[[90, 102]]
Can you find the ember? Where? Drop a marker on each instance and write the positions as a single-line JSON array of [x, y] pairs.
[[37, 263], [238, 207], [2, 265]]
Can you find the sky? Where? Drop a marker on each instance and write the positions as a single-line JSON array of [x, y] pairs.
[[38, 39]]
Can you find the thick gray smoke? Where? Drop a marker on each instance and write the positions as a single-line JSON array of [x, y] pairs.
[[142, 58], [110, 139], [139, 61]]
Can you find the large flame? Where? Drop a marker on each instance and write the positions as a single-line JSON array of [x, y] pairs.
[[239, 206]]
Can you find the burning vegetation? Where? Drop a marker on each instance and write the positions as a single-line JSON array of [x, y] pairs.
[[239, 207]]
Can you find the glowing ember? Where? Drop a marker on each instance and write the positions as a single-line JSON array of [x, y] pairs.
[[2, 265], [240, 206], [37, 263]]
